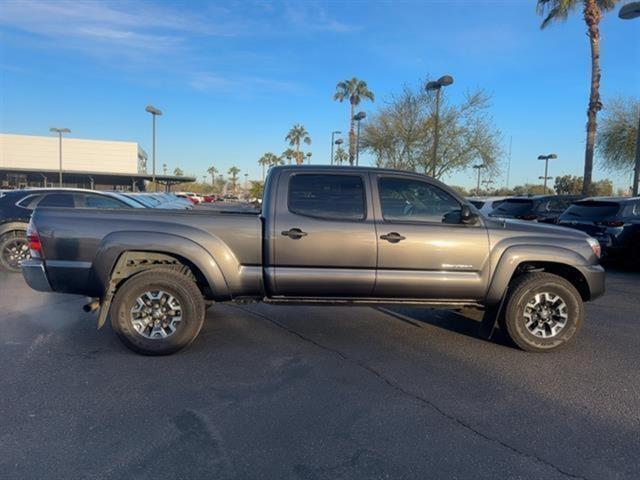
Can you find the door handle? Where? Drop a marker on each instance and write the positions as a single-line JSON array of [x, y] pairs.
[[294, 233], [393, 237]]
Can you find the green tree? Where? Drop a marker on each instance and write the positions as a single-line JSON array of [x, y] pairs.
[[256, 189], [354, 90], [297, 135], [268, 160], [340, 156], [568, 185], [401, 134], [234, 171], [617, 137], [178, 172], [289, 154], [212, 171], [592, 11], [530, 189]]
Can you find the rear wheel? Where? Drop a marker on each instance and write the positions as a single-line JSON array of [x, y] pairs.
[[157, 312], [14, 249], [543, 312]]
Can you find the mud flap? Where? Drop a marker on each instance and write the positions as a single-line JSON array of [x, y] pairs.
[[105, 305], [492, 316]]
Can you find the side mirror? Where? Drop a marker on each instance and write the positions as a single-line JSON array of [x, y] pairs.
[[467, 216]]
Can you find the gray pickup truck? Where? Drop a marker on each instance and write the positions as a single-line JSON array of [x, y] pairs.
[[325, 235]]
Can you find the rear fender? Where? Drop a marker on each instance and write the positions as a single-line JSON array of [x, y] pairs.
[[115, 244]]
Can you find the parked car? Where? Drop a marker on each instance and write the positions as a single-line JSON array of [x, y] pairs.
[[485, 205], [209, 198], [157, 200], [539, 208], [16, 207], [326, 235], [613, 221], [192, 197]]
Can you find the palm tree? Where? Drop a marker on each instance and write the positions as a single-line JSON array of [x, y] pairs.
[[355, 90], [212, 171], [592, 11], [234, 171], [295, 137], [340, 156], [267, 160], [289, 154], [178, 172]]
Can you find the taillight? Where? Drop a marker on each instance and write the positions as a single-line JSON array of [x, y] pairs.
[[34, 242], [614, 223]]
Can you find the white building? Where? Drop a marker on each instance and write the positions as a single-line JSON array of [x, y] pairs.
[[36, 161]]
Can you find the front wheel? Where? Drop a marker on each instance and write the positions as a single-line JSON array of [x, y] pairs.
[[157, 312], [543, 312]]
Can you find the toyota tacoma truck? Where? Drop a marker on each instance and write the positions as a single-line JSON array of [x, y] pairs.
[[324, 236]]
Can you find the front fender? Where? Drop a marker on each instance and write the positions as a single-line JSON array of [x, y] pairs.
[[115, 244], [512, 257]]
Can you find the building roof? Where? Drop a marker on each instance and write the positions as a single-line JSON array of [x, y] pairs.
[[100, 177]]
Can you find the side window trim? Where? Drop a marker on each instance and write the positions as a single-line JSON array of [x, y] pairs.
[[362, 179]]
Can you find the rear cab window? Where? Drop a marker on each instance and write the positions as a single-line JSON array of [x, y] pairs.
[[331, 196]]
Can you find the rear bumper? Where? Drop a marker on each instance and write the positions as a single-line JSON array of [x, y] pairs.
[[35, 275], [594, 275]]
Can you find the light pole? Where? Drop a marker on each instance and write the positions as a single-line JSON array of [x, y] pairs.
[[478, 167], [154, 113], [164, 168], [60, 131], [309, 158], [628, 12], [546, 159], [486, 184], [339, 142], [358, 117], [437, 85], [333, 134]]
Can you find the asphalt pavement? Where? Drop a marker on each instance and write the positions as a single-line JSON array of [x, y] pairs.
[[271, 392]]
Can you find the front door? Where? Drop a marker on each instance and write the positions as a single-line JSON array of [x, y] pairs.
[[424, 252], [323, 236]]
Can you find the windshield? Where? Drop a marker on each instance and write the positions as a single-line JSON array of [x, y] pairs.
[[592, 210]]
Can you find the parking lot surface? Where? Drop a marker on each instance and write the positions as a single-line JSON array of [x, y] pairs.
[[317, 393]]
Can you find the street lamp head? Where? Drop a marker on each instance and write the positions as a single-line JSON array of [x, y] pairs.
[[59, 130], [339, 141], [336, 132], [553, 155], [542, 157], [153, 110], [479, 166], [359, 116], [629, 11], [309, 154], [432, 85], [445, 80]]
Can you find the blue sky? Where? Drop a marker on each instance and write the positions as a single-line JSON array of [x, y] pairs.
[[233, 77]]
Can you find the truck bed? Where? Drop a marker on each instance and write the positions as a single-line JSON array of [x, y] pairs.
[[75, 242]]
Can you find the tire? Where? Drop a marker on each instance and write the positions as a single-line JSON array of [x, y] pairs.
[[160, 287], [14, 249], [543, 312]]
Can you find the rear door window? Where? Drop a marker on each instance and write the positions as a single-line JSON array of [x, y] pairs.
[[334, 197], [57, 200], [514, 206], [101, 201]]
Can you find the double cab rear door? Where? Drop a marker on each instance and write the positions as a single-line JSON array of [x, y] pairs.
[[357, 233]]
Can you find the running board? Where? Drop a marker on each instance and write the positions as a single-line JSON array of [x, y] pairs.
[[372, 302]]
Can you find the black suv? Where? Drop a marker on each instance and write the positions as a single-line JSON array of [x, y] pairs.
[[541, 208], [613, 221], [16, 207]]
